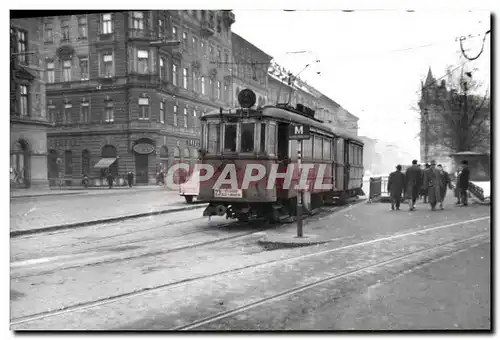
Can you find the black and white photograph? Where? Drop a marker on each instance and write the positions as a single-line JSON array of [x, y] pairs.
[[273, 167]]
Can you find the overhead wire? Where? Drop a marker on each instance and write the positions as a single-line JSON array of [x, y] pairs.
[[480, 52]]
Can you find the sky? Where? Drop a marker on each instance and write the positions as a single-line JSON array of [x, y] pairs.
[[371, 62]]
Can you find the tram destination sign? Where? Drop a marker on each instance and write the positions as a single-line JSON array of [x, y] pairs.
[[299, 132]]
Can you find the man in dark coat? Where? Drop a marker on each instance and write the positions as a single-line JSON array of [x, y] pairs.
[[130, 178], [395, 186], [413, 183], [423, 191], [463, 182], [110, 179], [432, 183]]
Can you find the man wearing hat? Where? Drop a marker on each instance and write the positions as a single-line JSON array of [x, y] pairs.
[[463, 182], [432, 184], [395, 187], [413, 180]]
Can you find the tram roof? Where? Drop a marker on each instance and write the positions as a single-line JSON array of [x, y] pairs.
[[286, 115]]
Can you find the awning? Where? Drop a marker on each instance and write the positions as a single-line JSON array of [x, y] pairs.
[[105, 162]]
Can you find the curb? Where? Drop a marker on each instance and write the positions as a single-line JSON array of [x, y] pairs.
[[42, 195], [101, 221], [271, 244]]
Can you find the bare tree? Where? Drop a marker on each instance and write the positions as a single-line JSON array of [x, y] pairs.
[[455, 116]]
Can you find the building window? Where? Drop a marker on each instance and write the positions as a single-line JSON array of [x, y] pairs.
[[84, 113], [22, 46], [51, 75], [175, 115], [65, 30], [162, 112], [138, 21], [195, 44], [174, 74], [82, 27], [107, 27], [247, 137], [174, 33], [219, 54], [195, 82], [211, 51], [68, 162], [143, 108], [202, 85], [195, 119], [67, 70], [142, 61], [162, 70], [84, 68], [161, 28], [107, 65], [109, 115], [23, 100], [67, 113], [48, 33], [85, 162], [211, 87], [218, 90], [185, 118], [185, 78], [226, 92], [184, 40]]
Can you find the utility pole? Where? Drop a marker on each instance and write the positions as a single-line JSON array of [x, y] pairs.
[[426, 135], [299, 192]]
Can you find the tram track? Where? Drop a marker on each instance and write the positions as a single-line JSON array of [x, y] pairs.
[[158, 288]]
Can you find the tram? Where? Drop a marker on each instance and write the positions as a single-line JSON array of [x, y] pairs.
[[261, 136]]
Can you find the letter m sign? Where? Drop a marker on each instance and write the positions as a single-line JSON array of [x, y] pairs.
[[299, 132]]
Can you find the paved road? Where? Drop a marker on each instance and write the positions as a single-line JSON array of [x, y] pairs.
[[46, 211], [144, 288]]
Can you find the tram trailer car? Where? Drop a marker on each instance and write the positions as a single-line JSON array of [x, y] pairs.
[[244, 136]]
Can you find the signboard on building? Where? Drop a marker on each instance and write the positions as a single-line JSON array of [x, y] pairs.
[[144, 148], [299, 132]]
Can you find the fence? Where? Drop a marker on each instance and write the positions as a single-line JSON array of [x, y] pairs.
[[375, 188]]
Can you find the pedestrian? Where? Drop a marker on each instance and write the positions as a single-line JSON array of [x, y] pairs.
[[413, 183], [110, 180], [130, 178], [395, 186], [432, 185], [457, 188], [423, 190], [444, 185], [463, 182]]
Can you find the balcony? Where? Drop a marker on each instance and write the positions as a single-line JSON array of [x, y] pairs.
[[141, 34], [207, 28]]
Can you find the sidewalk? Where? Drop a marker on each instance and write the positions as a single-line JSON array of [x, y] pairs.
[[76, 190], [364, 219], [61, 212]]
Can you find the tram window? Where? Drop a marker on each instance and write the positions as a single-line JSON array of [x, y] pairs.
[[307, 151], [263, 137], [230, 137], [318, 147], [247, 137], [271, 140], [326, 149], [213, 138]]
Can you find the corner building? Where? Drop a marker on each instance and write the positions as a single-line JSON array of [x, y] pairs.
[[126, 89]]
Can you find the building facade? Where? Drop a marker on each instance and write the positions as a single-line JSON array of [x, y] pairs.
[[28, 119], [249, 70], [125, 90]]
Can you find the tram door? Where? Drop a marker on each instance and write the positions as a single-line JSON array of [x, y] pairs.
[[282, 141]]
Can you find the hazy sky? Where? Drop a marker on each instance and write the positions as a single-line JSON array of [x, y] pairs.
[[371, 62]]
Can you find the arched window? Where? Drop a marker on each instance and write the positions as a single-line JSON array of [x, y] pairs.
[[177, 154], [194, 154], [68, 162], [109, 151], [86, 162], [186, 154]]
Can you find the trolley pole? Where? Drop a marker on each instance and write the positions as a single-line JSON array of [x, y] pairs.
[[299, 193]]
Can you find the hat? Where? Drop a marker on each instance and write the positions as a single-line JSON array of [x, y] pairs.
[[433, 162]]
